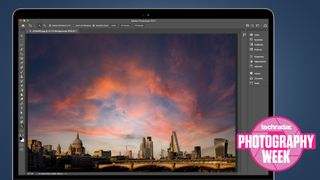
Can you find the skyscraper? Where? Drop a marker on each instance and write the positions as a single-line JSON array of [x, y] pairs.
[[130, 155], [221, 147], [174, 149], [146, 148], [197, 152], [174, 144], [142, 149], [149, 148]]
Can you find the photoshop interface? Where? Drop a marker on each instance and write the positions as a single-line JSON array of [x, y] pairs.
[[140, 96]]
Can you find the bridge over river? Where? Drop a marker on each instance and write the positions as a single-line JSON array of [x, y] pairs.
[[167, 165]]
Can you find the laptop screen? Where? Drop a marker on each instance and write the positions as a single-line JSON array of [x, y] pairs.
[[146, 96]]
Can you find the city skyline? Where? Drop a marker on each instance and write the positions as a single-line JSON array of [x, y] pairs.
[[116, 89], [47, 159], [172, 148]]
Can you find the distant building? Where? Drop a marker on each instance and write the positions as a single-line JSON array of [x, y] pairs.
[[221, 147], [102, 154], [58, 151], [149, 148], [146, 149], [76, 148], [34, 145], [196, 153], [130, 155], [142, 149], [174, 144], [174, 149], [35, 155], [70, 151], [163, 154], [47, 148], [188, 156]]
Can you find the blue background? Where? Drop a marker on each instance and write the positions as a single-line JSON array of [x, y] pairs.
[[297, 63]]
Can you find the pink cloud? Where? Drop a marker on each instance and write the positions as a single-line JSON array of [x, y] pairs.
[[227, 93], [131, 80], [158, 125], [90, 112]]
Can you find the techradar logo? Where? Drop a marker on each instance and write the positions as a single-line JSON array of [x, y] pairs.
[[276, 143], [273, 127]]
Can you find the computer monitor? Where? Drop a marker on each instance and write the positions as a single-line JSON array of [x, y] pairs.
[[134, 93]]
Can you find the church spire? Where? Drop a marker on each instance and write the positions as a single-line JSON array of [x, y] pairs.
[[58, 152], [77, 135]]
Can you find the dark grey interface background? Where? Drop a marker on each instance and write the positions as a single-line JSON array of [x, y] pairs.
[[252, 66]]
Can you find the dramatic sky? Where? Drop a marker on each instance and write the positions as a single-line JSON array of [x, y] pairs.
[[115, 89]]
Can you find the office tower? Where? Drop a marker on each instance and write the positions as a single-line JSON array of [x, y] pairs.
[[221, 147], [174, 149], [142, 149], [130, 155], [146, 148], [174, 145], [149, 148], [34, 145], [197, 152], [102, 154]]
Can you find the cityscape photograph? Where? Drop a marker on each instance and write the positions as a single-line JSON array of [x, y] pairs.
[[131, 102]]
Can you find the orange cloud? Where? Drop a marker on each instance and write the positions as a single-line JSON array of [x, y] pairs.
[[105, 131], [104, 87], [90, 112], [66, 103], [131, 80], [134, 108], [158, 125]]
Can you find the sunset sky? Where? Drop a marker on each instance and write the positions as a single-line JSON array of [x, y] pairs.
[[115, 89]]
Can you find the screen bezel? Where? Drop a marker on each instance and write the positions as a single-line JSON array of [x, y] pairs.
[[135, 14]]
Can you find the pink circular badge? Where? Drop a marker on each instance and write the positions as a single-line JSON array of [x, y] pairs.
[[276, 143]]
